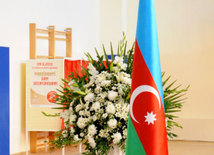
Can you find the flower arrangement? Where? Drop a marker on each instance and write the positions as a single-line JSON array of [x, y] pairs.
[[96, 103]]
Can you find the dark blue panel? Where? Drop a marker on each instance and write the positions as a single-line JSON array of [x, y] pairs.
[[4, 101]]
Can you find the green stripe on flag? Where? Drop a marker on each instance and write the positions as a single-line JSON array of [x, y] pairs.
[[133, 144]]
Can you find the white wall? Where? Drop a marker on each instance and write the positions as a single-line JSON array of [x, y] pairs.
[[81, 15]]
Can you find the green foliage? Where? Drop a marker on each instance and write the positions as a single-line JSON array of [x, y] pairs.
[[174, 97]]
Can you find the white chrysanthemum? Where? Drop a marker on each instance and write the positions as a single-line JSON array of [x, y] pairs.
[[102, 133], [81, 113], [72, 118], [78, 107], [76, 138], [91, 142], [94, 118], [95, 106], [97, 90], [112, 95], [89, 97], [64, 133], [92, 129], [125, 133], [100, 78], [106, 83], [82, 122], [110, 109], [82, 134], [72, 130], [116, 137], [112, 123], [65, 114], [105, 115]]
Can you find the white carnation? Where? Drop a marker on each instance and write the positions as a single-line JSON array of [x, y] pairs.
[[82, 122], [125, 133], [76, 138], [106, 83], [82, 134], [110, 109], [81, 113], [72, 130], [65, 114], [97, 90], [116, 137], [95, 106], [112, 123], [91, 142], [64, 133], [92, 129], [89, 97], [78, 107], [105, 115], [112, 95], [72, 118]]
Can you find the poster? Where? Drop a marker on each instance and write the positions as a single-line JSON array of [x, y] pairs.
[[45, 79]]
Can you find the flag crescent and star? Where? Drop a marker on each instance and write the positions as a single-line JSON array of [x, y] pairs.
[[146, 125]]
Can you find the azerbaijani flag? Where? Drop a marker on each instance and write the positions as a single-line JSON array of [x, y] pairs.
[[146, 124]]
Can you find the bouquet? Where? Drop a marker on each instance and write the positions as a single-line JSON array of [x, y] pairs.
[[96, 103]]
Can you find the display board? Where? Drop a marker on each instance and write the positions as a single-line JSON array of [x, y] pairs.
[[4, 101], [43, 79]]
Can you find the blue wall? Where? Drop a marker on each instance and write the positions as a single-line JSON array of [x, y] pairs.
[[4, 101]]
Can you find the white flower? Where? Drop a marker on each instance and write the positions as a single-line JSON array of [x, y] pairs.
[[81, 113], [105, 115], [89, 97], [65, 114], [116, 137], [91, 142], [72, 118], [92, 70], [97, 90], [106, 83], [112, 95], [92, 129], [64, 133], [82, 122], [102, 133], [95, 106], [72, 130], [110, 109], [112, 123], [94, 118], [100, 78], [82, 134], [78, 107], [76, 138], [125, 133], [123, 66], [118, 60]]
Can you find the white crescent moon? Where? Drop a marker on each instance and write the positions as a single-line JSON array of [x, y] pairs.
[[137, 91]]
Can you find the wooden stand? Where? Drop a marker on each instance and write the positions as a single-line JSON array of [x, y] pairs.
[[51, 37]]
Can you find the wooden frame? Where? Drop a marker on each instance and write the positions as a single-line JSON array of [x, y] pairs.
[[52, 37]]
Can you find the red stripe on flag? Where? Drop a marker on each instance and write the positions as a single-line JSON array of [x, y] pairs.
[[152, 134]]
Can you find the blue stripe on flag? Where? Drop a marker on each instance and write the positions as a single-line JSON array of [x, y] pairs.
[[147, 39]]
